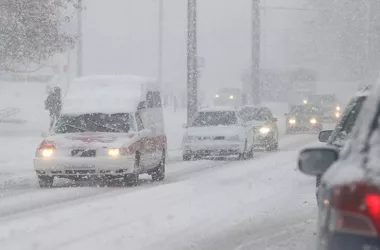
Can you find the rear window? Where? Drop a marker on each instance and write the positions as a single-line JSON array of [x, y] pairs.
[[217, 118]]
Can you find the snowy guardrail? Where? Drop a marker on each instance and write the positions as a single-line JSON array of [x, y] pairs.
[[6, 116]]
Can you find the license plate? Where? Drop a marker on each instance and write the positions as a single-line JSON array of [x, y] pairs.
[[80, 167]]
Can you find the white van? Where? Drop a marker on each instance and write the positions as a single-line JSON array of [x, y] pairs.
[[110, 127]]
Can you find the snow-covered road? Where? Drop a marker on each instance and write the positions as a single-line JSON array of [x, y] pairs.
[[264, 203]]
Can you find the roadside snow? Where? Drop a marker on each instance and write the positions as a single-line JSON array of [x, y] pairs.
[[195, 213]]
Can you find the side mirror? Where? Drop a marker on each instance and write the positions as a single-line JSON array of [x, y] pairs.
[[324, 135], [184, 125], [274, 119], [315, 161]]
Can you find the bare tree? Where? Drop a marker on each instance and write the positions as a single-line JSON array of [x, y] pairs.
[[30, 31]]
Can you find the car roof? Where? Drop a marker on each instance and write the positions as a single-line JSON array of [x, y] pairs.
[[219, 109]]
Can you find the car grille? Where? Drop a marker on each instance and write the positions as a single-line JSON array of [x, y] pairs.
[[83, 153], [80, 171], [204, 138]]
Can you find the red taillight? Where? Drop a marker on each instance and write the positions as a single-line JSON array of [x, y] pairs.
[[356, 209]]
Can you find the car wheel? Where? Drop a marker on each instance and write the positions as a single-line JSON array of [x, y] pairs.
[[159, 173], [187, 157], [132, 179], [45, 181], [243, 156]]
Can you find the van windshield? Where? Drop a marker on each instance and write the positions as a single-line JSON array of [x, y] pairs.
[[217, 118], [95, 122]]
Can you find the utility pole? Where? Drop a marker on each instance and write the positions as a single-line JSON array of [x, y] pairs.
[[255, 72], [192, 88], [160, 40], [80, 40]]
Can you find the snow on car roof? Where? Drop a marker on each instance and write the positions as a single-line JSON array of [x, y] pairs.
[[106, 94], [219, 109], [362, 93]]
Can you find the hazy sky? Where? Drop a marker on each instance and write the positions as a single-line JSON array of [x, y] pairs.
[[120, 36]]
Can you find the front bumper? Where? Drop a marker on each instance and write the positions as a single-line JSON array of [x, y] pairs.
[[304, 127], [264, 140], [84, 166], [213, 149]]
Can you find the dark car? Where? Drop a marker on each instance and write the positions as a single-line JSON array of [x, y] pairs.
[[349, 193], [304, 118], [343, 129]]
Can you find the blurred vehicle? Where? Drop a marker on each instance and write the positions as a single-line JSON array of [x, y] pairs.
[[265, 125], [330, 107], [216, 132], [343, 129], [228, 97], [110, 127], [304, 118], [349, 194]]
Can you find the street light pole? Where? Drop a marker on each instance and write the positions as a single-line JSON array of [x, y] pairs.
[[80, 40], [255, 90], [192, 92], [160, 40]]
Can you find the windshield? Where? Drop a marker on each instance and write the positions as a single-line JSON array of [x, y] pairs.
[[344, 127], [257, 114], [218, 118], [305, 109], [95, 122]]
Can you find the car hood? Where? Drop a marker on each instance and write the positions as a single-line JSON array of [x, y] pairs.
[[256, 123], [214, 131], [90, 140]]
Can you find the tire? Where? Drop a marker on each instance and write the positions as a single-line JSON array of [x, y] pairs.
[[243, 156], [132, 179], [45, 181], [159, 173], [186, 157]]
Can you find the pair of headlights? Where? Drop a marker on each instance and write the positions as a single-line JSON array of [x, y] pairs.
[[312, 121], [48, 152]]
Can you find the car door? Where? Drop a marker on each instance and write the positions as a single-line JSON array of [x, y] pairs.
[[146, 142], [247, 126]]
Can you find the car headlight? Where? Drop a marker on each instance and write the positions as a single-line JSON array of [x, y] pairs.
[[292, 121], [264, 130], [233, 138], [337, 114], [47, 152], [232, 97], [313, 121], [114, 152], [216, 96], [337, 108]]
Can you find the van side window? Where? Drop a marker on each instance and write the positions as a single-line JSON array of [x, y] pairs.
[[149, 99], [140, 124], [157, 99]]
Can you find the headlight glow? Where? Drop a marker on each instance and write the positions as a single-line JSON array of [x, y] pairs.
[[113, 152], [337, 108], [337, 114], [292, 121], [216, 96], [232, 97], [313, 121], [47, 152], [264, 130], [304, 101]]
